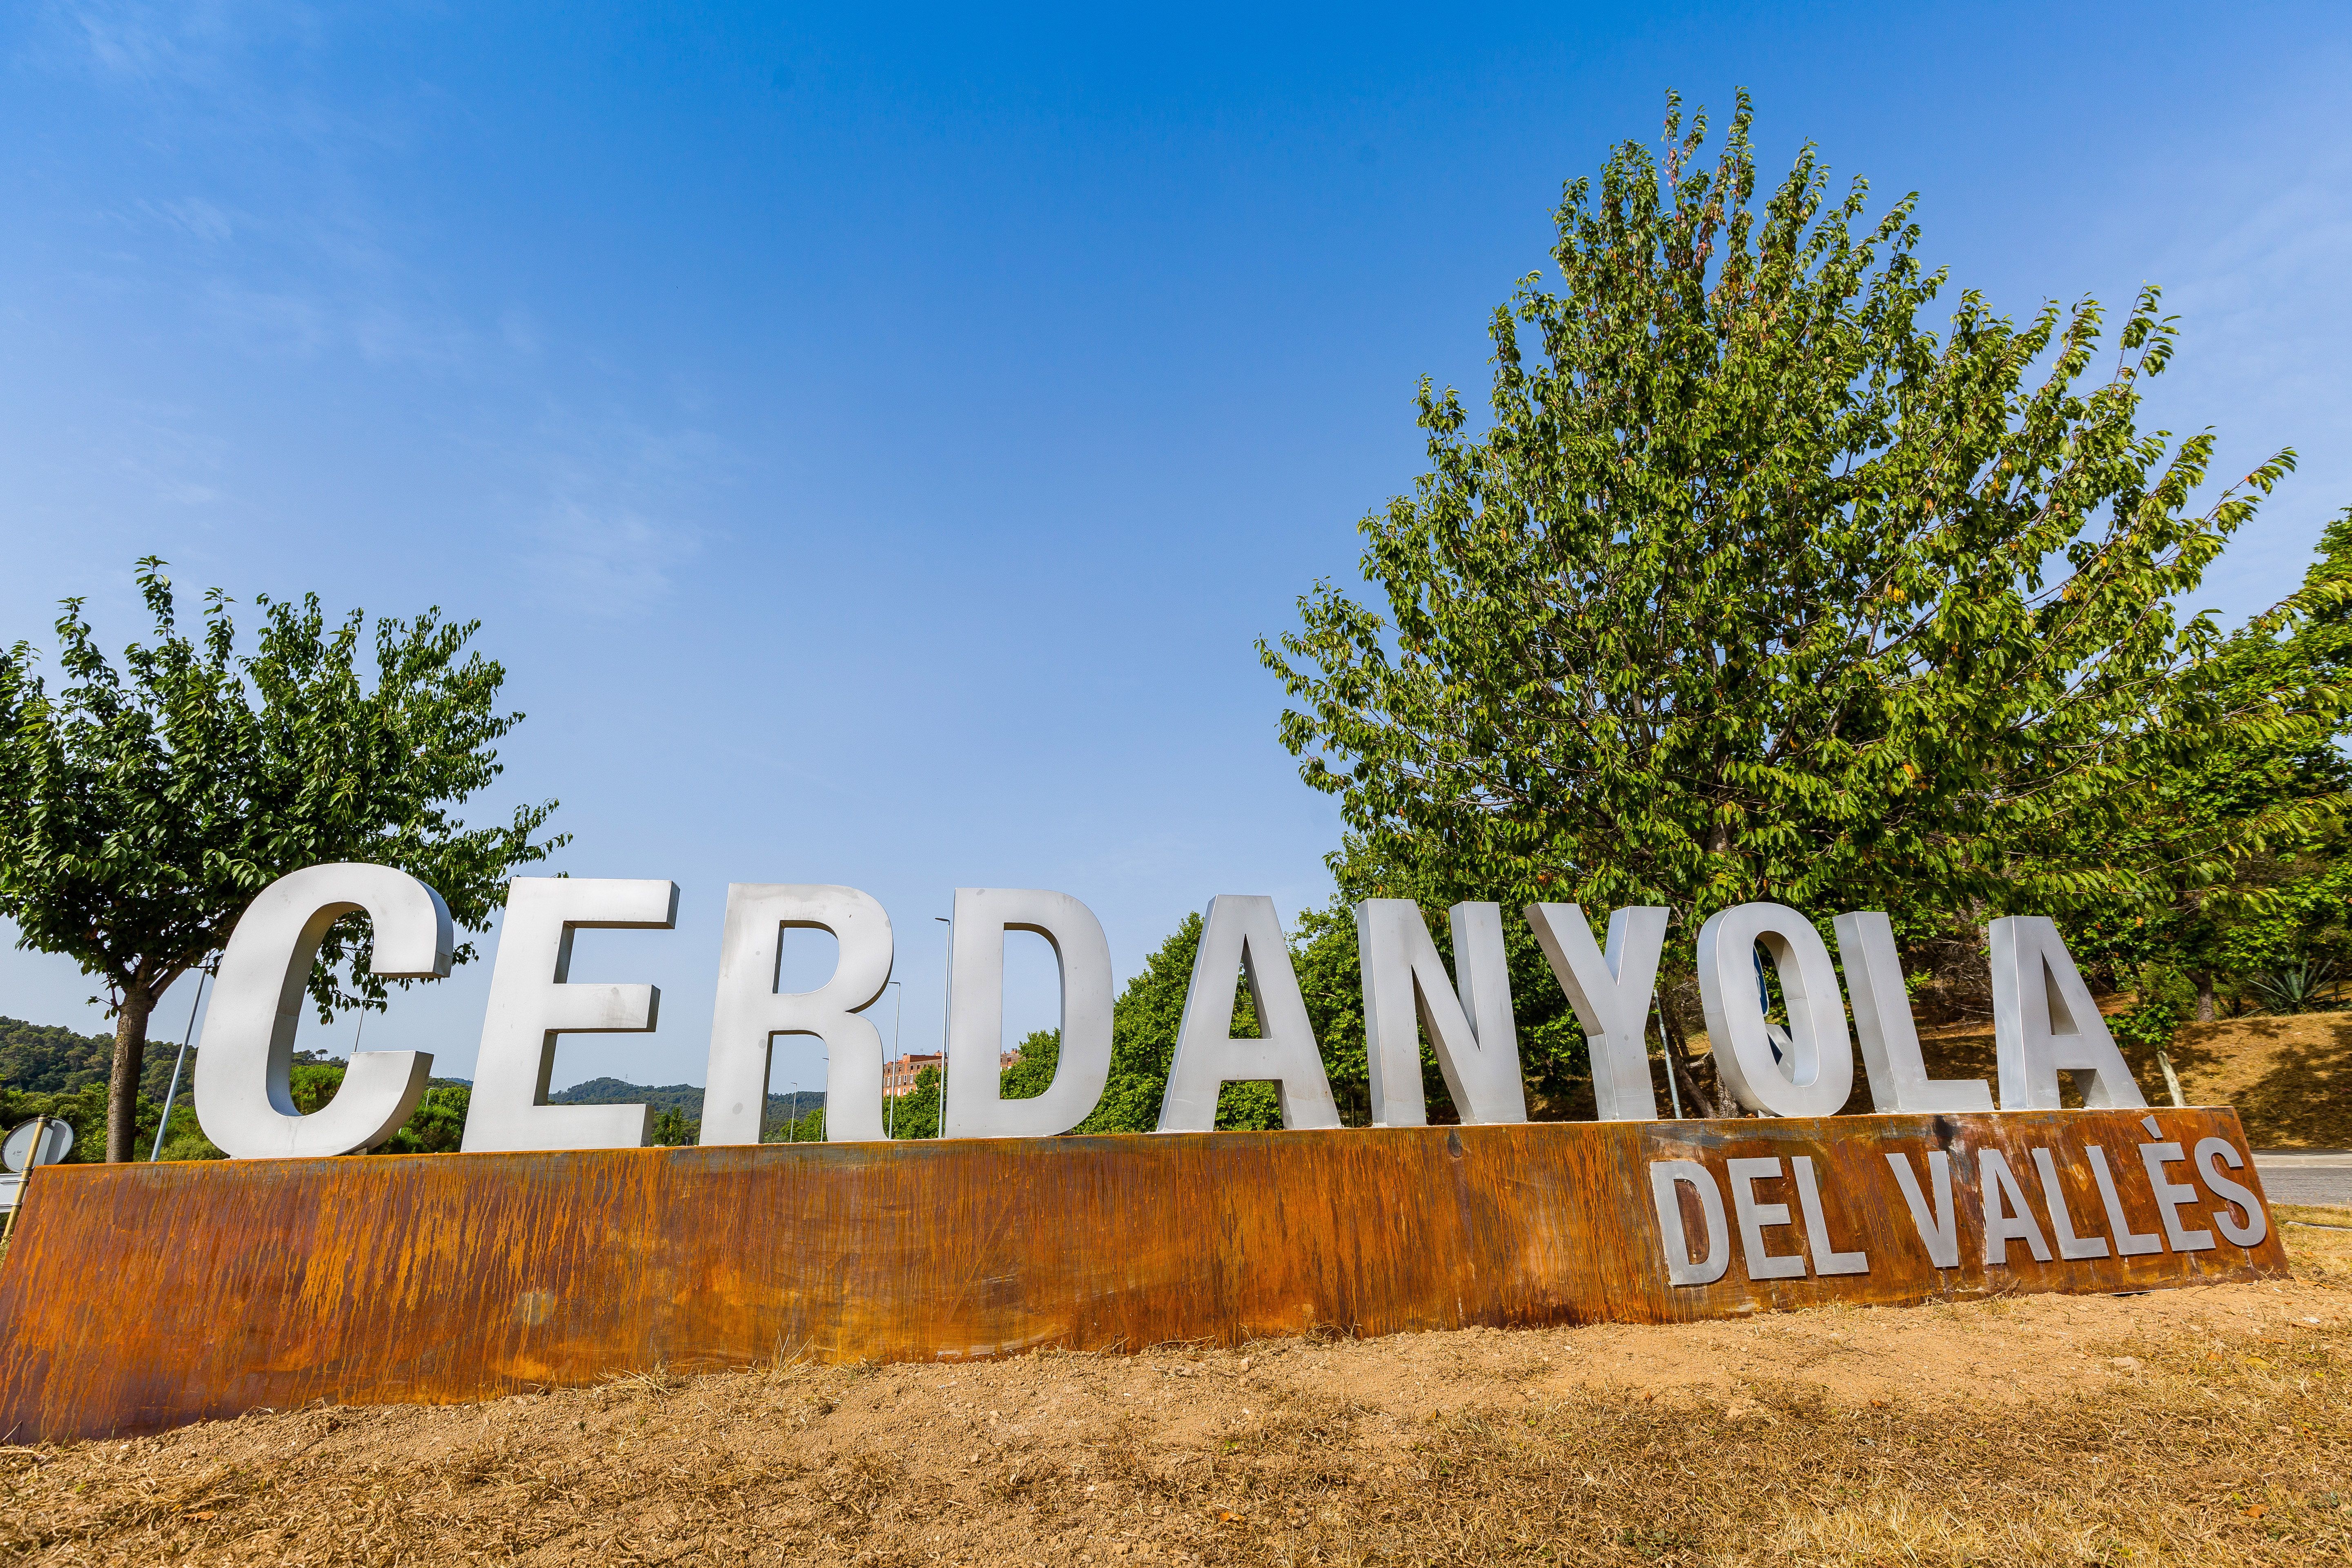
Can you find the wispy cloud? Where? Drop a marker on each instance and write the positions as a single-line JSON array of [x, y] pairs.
[[193, 44], [619, 528], [286, 250], [165, 452], [613, 565], [2256, 287], [270, 323], [304, 324], [195, 218], [2257, 283]]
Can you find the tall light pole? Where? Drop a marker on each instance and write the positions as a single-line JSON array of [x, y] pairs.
[[890, 1101], [181, 1061], [946, 995]]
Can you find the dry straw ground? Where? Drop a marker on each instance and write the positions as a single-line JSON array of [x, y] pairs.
[[2186, 1427]]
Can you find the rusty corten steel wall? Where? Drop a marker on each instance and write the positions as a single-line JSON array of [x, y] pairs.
[[138, 1297]]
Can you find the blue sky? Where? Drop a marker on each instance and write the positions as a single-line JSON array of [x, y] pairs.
[[872, 437]]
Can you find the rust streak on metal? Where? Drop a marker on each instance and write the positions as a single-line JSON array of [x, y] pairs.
[[142, 1297]]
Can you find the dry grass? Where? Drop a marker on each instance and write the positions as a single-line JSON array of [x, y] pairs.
[[2184, 1426], [2320, 1240], [2290, 1078]]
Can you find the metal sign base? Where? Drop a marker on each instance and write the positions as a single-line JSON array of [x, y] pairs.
[[142, 1297]]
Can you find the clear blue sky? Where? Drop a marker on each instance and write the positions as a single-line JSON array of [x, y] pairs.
[[873, 438]]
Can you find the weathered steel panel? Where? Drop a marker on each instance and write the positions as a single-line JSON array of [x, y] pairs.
[[140, 1297]]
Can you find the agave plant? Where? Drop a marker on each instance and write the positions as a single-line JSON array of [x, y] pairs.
[[2296, 988]]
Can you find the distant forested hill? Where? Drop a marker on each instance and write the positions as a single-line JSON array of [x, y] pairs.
[[684, 1098], [47, 1070], [48, 1058]]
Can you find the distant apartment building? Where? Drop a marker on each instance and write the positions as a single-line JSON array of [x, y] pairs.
[[898, 1077]]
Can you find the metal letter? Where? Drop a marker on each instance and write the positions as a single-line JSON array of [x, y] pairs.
[[1938, 1227], [1819, 1074], [2258, 1222], [243, 1090], [2170, 1195], [2044, 1023], [1999, 1184], [1405, 992], [1612, 997], [2062, 1218], [1680, 1270], [1827, 1260], [532, 1002], [1884, 1028], [2129, 1243], [973, 1105], [1754, 1217], [1243, 932], [751, 1013]]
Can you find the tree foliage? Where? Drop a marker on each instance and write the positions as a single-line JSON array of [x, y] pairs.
[[436, 1127], [1144, 1019], [917, 1114], [1754, 587], [1146, 1015], [142, 808], [2280, 909], [47, 1056]]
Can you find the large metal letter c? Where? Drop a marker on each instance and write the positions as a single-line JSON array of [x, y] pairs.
[[242, 1093]]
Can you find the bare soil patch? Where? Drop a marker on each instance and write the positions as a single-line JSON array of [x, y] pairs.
[[2289, 1077], [2202, 1426]]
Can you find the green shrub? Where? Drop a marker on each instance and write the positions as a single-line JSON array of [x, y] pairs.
[[2166, 1000]]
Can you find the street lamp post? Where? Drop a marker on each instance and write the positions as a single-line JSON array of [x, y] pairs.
[[180, 1062], [890, 1101], [947, 992]]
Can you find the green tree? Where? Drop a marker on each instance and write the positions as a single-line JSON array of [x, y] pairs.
[[1146, 1013], [438, 1126], [673, 1128], [2281, 907], [141, 809], [806, 1128], [83, 1109], [917, 1114], [186, 1140], [44, 1056], [1032, 1071], [1143, 1023], [1754, 588]]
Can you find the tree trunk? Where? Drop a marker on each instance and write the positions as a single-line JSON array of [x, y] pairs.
[[2204, 996], [122, 1081], [1678, 1065], [1691, 1090]]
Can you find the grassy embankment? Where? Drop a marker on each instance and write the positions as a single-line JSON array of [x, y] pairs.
[[2290, 1076]]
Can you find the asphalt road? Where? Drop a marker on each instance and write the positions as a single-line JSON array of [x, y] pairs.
[[2306, 1175]]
